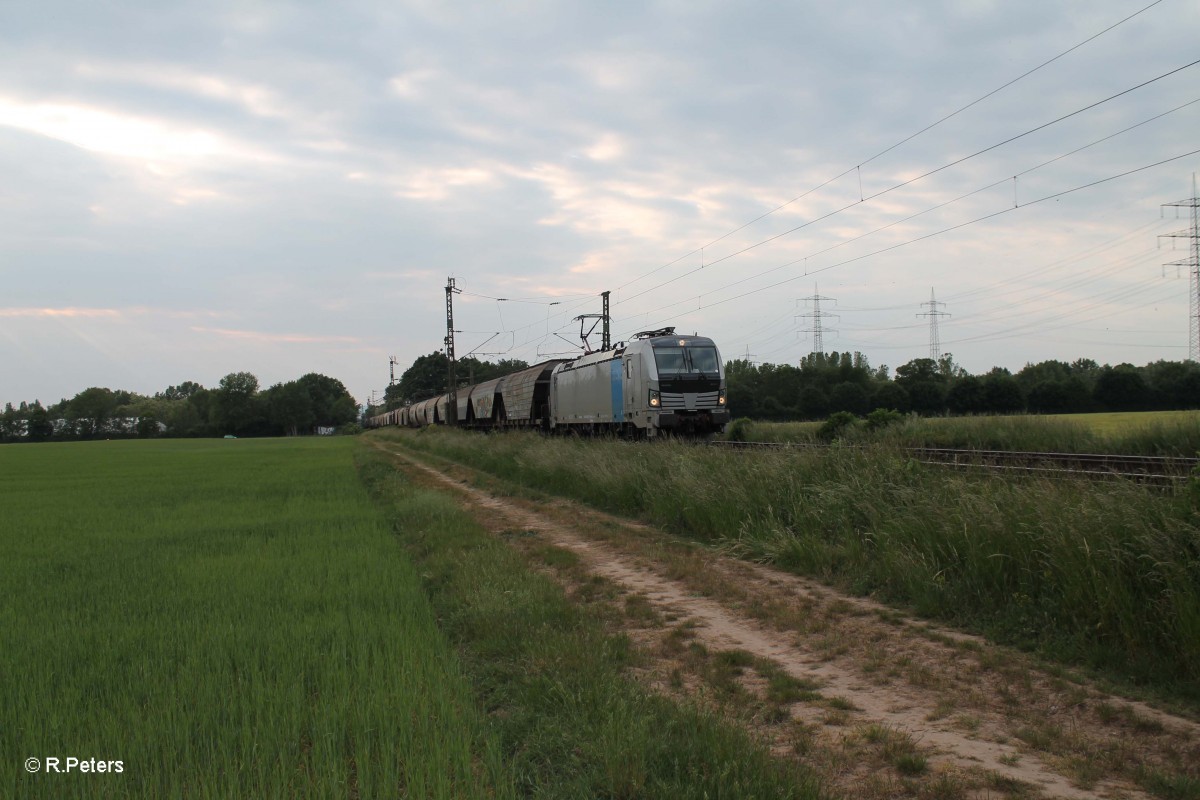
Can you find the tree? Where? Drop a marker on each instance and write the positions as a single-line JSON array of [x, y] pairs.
[[966, 396], [233, 408], [147, 426], [891, 395], [11, 425], [743, 384], [197, 422], [330, 401], [290, 408], [849, 396], [927, 397], [948, 369], [91, 410], [919, 370], [1173, 384], [424, 379], [181, 392], [38, 425], [1121, 388], [1001, 393], [925, 383], [814, 402], [1033, 374], [471, 370]]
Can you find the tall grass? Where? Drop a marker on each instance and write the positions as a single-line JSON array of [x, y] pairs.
[[1160, 435], [227, 619], [1106, 574]]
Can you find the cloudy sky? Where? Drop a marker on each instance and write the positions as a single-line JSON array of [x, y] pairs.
[[189, 189]]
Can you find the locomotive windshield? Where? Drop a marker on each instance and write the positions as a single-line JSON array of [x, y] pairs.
[[675, 361]]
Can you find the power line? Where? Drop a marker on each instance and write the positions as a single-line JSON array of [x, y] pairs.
[[903, 141], [910, 181], [949, 229]]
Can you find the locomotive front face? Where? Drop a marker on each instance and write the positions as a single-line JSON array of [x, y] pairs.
[[685, 384]]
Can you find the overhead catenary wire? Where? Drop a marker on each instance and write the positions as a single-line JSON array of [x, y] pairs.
[[913, 180], [1061, 291], [905, 140], [924, 237]]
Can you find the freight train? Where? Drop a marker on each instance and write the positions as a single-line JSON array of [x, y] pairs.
[[657, 383]]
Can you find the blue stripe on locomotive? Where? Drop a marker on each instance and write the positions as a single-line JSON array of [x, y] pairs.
[[618, 391]]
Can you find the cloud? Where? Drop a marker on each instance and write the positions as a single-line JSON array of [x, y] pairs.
[[257, 100], [278, 338], [110, 313], [113, 133], [413, 85]]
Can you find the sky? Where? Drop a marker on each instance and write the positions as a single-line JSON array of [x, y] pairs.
[[190, 189]]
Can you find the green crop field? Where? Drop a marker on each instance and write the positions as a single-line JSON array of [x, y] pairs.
[[225, 619]]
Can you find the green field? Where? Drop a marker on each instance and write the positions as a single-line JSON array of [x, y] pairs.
[[1115, 424], [227, 619], [244, 618]]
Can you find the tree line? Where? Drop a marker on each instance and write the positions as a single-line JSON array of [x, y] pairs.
[[235, 407], [825, 383]]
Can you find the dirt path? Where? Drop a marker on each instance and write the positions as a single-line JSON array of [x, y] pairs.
[[885, 706]]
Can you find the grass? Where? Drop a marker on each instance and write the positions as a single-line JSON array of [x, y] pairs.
[[1105, 575], [555, 684], [1155, 433], [227, 619], [1115, 424], [1168, 786]]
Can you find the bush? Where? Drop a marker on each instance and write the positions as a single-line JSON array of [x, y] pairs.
[[739, 430], [882, 417], [837, 423]]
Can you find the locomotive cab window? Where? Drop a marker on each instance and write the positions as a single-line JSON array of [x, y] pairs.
[[670, 360], [703, 359], [686, 360]]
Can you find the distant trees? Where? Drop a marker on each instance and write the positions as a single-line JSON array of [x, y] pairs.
[[237, 406], [312, 401], [824, 384]]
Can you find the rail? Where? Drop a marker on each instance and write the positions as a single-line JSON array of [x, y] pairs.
[[1156, 469]]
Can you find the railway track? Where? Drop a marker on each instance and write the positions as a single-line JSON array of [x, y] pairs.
[[1150, 469]]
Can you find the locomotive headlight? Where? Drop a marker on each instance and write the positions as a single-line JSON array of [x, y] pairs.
[[655, 400], [721, 397]]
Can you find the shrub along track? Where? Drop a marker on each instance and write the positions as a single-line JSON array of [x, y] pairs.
[[880, 704]]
